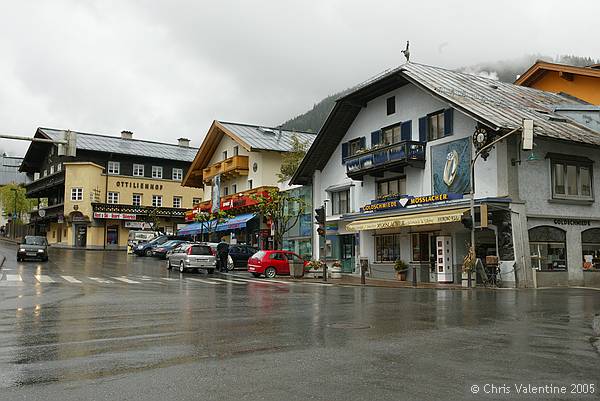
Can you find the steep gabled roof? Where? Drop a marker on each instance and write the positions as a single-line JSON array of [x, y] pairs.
[[537, 70], [497, 105], [250, 137]]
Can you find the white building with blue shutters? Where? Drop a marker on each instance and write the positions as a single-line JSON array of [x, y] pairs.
[[391, 164]]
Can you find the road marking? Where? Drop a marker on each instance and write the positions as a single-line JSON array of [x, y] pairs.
[[249, 280], [100, 280], [229, 281], [323, 284], [71, 279], [126, 280], [13, 277], [202, 281], [42, 278], [170, 279]]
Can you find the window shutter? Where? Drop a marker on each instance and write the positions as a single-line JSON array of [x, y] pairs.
[[344, 151], [448, 122], [363, 142], [406, 130], [423, 129], [375, 137]]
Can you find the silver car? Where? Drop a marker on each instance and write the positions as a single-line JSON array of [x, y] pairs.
[[192, 256]]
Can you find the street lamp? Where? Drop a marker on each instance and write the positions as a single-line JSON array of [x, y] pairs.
[[325, 241], [14, 213]]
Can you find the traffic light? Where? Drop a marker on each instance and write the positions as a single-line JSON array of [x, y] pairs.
[[467, 220], [320, 215]]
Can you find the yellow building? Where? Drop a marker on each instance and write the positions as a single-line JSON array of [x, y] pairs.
[[580, 82], [112, 186]]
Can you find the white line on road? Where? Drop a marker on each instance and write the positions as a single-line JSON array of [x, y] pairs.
[[229, 281], [323, 284], [170, 279], [100, 280], [201, 281], [126, 280], [13, 277], [249, 280], [71, 279], [42, 278]]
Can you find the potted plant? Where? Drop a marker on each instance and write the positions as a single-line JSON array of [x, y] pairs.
[[336, 269], [313, 267], [468, 266], [401, 269]]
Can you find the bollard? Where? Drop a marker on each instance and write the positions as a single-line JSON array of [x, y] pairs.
[[363, 273], [324, 271], [469, 282], [414, 276]]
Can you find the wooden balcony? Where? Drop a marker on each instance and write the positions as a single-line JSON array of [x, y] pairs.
[[230, 167], [386, 158]]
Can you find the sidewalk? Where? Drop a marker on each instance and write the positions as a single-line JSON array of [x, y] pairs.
[[348, 279]]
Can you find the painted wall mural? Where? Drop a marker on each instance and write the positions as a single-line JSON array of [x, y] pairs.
[[450, 167]]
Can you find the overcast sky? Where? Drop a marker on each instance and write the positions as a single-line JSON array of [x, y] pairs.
[[166, 69]]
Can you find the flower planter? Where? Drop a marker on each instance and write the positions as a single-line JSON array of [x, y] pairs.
[[296, 270], [401, 276], [335, 272]]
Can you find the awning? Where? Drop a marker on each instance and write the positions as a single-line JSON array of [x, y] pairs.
[[414, 219], [235, 222], [196, 228]]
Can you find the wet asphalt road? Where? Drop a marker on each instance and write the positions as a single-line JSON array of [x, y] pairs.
[[107, 326]]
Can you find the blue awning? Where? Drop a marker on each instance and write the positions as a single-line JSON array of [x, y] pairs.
[[235, 222], [195, 228]]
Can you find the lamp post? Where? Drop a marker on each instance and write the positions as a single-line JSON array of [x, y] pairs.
[[325, 241], [14, 213]]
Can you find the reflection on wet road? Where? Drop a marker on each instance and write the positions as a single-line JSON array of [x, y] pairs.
[[104, 325]]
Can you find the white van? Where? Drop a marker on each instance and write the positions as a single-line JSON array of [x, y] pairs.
[[137, 237]]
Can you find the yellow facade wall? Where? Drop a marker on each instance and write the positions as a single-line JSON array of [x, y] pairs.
[[127, 186], [583, 87]]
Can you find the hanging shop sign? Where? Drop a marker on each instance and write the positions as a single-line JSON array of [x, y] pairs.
[[410, 201], [114, 216], [572, 222], [142, 225], [138, 185]]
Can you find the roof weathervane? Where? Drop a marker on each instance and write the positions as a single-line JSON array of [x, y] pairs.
[[406, 52]]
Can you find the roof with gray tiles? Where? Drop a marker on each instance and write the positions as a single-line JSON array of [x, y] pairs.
[[267, 138]]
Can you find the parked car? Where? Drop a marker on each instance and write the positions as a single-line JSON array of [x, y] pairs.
[[271, 263], [137, 237], [146, 248], [192, 256], [161, 251], [240, 254], [33, 246]]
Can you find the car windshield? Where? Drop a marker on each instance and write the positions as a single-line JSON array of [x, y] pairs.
[[158, 240], [171, 242], [35, 241]]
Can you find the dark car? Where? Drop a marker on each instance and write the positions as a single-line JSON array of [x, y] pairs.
[[33, 246], [146, 249], [240, 254], [161, 250]]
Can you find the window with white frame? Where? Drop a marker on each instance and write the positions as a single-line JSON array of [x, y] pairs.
[[156, 200], [177, 174], [136, 200], [195, 201], [113, 197], [138, 170], [59, 167], [52, 169], [571, 179], [114, 168], [157, 172], [45, 172], [177, 201], [340, 202], [76, 194]]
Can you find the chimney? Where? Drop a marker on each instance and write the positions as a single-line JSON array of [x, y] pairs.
[[183, 142], [126, 135]]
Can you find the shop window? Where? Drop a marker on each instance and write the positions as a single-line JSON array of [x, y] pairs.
[[387, 248], [420, 247], [156, 200], [548, 248], [340, 202], [571, 180], [396, 186], [157, 172], [138, 170], [112, 235], [76, 194], [113, 197], [435, 123], [114, 168], [136, 200], [177, 201], [177, 174], [590, 245]]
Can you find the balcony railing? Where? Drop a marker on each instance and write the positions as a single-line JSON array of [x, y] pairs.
[[139, 210], [377, 160], [232, 166], [41, 187]]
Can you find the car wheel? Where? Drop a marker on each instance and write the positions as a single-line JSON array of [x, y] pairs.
[[181, 267], [169, 267], [18, 259], [148, 252], [256, 275], [44, 259], [270, 272], [210, 271]]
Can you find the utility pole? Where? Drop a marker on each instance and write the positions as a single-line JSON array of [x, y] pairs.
[[14, 221], [325, 247]]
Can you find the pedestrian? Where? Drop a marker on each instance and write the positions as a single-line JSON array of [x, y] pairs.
[[223, 254]]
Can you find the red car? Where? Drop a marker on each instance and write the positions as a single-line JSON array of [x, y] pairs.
[[272, 263]]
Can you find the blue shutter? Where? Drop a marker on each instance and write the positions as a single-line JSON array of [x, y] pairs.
[[448, 122], [363, 142], [423, 129], [406, 130], [344, 151], [375, 137]]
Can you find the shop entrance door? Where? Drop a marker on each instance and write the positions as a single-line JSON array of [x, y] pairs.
[[347, 250], [81, 235], [112, 235]]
